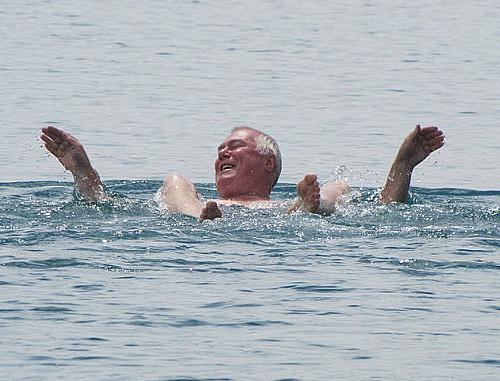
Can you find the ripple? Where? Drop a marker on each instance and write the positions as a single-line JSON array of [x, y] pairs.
[[317, 288], [47, 263], [52, 309], [494, 362]]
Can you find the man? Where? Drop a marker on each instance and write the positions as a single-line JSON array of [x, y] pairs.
[[247, 167]]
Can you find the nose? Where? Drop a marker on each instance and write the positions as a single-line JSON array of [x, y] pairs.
[[224, 152]]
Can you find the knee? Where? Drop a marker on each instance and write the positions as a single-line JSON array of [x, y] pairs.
[[173, 178], [336, 187], [175, 181], [332, 193]]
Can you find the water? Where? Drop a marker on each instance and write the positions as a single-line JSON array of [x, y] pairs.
[[154, 87], [123, 290], [140, 293]]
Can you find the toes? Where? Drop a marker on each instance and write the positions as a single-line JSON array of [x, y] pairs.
[[210, 211], [310, 178], [211, 205]]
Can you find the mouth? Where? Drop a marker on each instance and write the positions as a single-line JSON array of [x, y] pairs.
[[226, 167]]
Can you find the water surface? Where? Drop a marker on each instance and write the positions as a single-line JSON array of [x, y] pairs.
[[141, 293], [123, 290]]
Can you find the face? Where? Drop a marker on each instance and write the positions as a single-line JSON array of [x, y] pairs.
[[240, 170]]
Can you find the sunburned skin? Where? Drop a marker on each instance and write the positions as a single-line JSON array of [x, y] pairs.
[[246, 174], [242, 173]]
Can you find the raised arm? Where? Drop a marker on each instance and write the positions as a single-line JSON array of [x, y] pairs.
[[71, 154], [415, 148]]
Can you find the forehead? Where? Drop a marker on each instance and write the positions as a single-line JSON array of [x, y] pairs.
[[242, 134]]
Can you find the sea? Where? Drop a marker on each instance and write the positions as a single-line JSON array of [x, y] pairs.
[[122, 289]]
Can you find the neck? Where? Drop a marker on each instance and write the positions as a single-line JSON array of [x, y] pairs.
[[246, 196]]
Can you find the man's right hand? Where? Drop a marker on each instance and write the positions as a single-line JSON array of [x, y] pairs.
[[67, 149], [71, 154]]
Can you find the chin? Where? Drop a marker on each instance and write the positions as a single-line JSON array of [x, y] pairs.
[[226, 187]]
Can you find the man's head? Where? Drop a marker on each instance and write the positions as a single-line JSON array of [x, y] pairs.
[[248, 164]]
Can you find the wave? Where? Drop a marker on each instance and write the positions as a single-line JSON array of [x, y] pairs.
[[153, 185], [34, 212]]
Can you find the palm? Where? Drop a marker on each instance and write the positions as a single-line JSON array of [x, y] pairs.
[[68, 150], [419, 144], [74, 158]]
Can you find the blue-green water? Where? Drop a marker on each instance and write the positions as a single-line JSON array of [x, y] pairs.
[[124, 290]]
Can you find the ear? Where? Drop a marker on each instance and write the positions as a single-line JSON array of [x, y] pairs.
[[270, 163]]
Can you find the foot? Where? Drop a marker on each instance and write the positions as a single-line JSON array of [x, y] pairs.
[[68, 150], [210, 211], [308, 190]]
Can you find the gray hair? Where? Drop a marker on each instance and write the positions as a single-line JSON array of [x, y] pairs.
[[266, 145]]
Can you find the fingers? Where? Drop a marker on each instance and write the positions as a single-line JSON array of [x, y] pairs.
[[435, 139], [58, 136], [431, 132], [428, 129], [54, 133], [57, 141], [47, 139], [51, 146], [436, 144], [51, 149], [433, 136]]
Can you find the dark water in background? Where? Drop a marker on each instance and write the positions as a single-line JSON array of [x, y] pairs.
[[123, 290]]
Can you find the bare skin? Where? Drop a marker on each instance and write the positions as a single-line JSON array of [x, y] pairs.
[[308, 191], [242, 173], [71, 154], [245, 176], [210, 211], [320, 200], [179, 195], [416, 147]]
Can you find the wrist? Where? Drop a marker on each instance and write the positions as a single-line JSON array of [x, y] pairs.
[[84, 174]]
